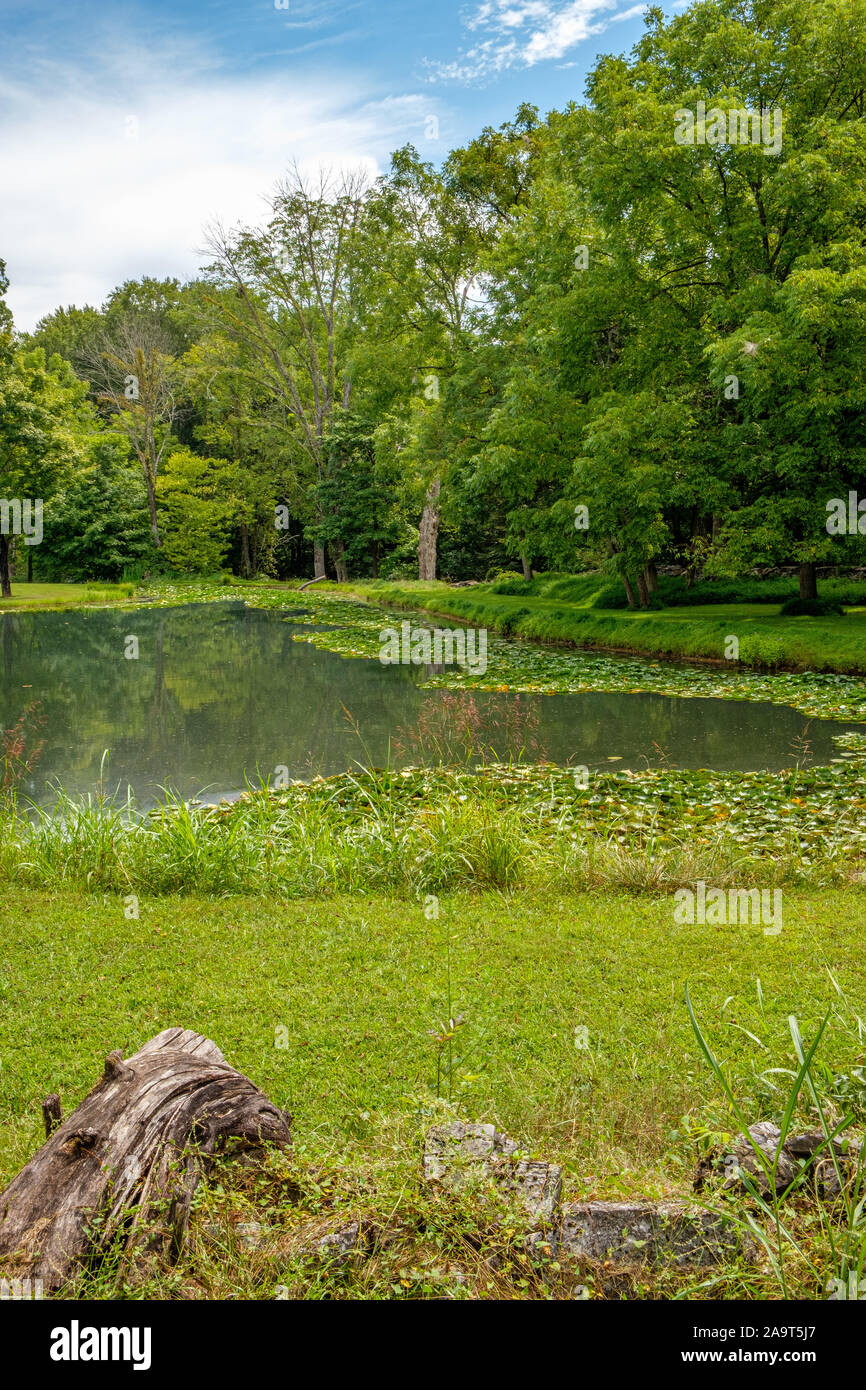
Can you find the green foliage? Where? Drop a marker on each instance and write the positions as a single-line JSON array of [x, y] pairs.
[[354, 498], [45, 423], [572, 311], [594, 591], [97, 526], [198, 508], [810, 608], [5, 317], [69, 332]]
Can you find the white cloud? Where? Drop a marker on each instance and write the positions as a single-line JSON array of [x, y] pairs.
[[525, 32], [114, 173], [635, 11]]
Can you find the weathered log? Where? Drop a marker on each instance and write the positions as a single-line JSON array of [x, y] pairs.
[[125, 1164]]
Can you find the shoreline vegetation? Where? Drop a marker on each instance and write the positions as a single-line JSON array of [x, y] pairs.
[[424, 830], [46, 598], [557, 612], [694, 633]]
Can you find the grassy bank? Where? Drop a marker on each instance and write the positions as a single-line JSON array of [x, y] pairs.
[[430, 830], [359, 985], [766, 640], [594, 590], [33, 597]]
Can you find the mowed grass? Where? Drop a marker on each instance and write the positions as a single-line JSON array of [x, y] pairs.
[[36, 596], [357, 985], [766, 640]]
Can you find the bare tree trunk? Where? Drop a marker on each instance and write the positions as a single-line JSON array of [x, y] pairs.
[[374, 558], [151, 507], [629, 592], [808, 580], [131, 1155], [319, 567], [246, 562], [652, 577], [525, 565], [5, 574], [642, 589], [338, 551], [428, 532]]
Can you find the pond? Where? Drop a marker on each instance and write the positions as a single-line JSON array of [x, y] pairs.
[[220, 693]]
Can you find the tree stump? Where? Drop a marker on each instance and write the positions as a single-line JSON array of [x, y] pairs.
[[124, 1166]]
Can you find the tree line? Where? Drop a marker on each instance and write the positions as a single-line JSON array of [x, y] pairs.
[[580, 342]]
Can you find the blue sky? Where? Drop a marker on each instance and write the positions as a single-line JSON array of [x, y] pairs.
[[125, 127]]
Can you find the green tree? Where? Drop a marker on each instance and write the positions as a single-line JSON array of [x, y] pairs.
[[424, 239], [45, 422], [291, 310], [198, 504], [97, 526]]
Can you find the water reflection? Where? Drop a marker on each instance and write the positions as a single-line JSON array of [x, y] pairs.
[[220, 693]]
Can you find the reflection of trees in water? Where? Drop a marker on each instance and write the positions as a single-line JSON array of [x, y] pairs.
[[219, 691], [9, 630], [216, 693], [457, 727]]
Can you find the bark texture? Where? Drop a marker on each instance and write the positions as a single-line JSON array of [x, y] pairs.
[[808, 581], [5, 570], [127, 1161], [428, 532]]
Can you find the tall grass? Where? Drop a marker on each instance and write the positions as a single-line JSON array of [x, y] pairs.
[[834, 1255], [365, 832]]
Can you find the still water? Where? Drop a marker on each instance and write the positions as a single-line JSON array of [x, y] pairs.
[[220, 692]]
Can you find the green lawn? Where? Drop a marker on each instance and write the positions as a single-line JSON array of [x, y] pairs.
[[694, 633], [357, 983], [35, 596]]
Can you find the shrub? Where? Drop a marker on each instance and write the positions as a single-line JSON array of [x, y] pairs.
[[511, 583], [811, 608]]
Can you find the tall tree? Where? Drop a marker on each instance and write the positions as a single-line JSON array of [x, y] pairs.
[[425, 239], [133, 369], [292, 308], [45, 422]]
